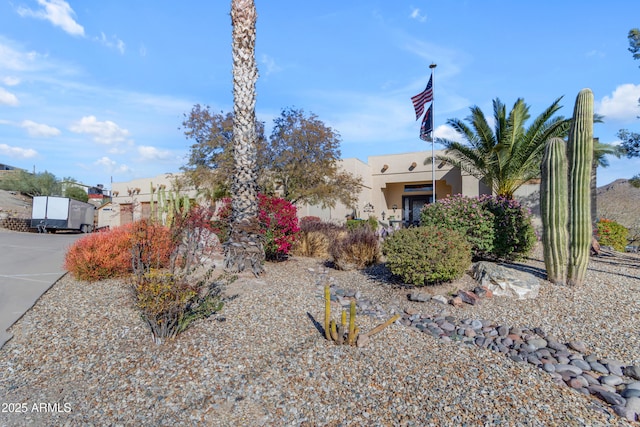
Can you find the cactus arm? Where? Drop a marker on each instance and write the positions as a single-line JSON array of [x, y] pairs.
[[352, 323], [327, 311], [580, 159], [334, 332], [554, 210], [381, 326], [151, 205]]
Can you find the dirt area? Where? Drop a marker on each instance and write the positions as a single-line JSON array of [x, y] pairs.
[[15, 205]]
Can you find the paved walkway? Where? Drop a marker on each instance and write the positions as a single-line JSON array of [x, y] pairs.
[[30, 264]]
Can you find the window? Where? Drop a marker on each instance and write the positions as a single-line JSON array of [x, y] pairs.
[[408, 188]]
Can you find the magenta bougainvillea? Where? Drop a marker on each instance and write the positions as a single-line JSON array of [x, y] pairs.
[[278, 223]]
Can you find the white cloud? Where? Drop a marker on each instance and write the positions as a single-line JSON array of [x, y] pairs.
[[58, 12], [38, 129], [112, 42], [19, 152], [152, 153], [622, 105], [10, 81], [270, 65], [417, 15], [106, 132], [15, 59], [447, 132], [7, 98], [112, 166]]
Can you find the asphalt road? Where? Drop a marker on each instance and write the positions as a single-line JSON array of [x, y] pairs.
[[30, 264]]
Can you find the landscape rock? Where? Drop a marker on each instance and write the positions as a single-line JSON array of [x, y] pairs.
[[419, 297], [505, 281], [611, 398], [624, 412], [578, 346], [440, 298], [633, 372], [468, 297], [612, 380], [457, 302]]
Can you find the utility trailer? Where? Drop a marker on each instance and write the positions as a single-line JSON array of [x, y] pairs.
[[51, 213]]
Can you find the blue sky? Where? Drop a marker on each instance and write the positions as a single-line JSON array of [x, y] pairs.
[[97, 90]]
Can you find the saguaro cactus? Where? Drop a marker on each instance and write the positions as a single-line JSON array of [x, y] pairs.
[[580, 150], [554, 209]]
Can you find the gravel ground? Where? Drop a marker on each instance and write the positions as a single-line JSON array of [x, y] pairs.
[[83, 356]]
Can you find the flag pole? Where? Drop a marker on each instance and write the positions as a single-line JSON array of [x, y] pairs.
[[433, 157]]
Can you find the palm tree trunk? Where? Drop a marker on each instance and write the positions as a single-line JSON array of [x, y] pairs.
[[244, 247]]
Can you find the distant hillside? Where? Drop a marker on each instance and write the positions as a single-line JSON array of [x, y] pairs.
[[620, 201], [14, 204]]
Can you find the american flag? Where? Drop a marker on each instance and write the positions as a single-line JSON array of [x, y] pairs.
[[422, 98], [427, 125]]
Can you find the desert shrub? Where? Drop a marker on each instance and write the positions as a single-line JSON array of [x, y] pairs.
[[194, 238], [373, 223], [170, 303], [170, 298], [427, 255], [466, 215], [514, 235], [353, 224], [277, 221], [357, 248], [140, 245], [315, 238], [152, 245], [220, 225], [611, 233], [100, 256]]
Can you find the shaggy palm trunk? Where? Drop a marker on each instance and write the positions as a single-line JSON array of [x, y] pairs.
[[244, 247]]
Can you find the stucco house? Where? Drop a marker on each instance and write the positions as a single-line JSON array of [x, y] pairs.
[[394, 189]]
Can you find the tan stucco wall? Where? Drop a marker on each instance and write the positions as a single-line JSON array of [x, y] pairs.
[[130, 200], [384, 178]]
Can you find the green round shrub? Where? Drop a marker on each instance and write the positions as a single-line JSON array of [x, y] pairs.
[[514, 236], [466, 215], [611, 233], [427, 255]]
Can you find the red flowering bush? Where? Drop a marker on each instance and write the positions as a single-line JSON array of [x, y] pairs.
[[278, 223], [220, 225]]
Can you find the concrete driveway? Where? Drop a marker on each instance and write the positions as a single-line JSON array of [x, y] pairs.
[[30, 264]]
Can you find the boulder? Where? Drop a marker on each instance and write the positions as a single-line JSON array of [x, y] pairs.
[[505, 281]]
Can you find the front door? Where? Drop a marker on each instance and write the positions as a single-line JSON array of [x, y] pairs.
[[412, 205]]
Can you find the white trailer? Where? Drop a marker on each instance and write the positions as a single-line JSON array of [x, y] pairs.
[[51, 213]]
